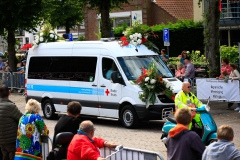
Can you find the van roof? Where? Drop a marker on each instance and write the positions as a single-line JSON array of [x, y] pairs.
[[114, 47]]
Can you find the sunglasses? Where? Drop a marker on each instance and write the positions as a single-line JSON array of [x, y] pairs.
[[189, 87]]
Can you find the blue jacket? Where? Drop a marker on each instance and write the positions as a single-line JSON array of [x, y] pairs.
[[221, 150]]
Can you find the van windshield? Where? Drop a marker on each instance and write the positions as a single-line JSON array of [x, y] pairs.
[[132, 65]]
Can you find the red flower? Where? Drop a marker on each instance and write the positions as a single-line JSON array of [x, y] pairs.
[[160, 80], [26, 46], [173, 97], [124, 41], [144, 71], [144, 40]]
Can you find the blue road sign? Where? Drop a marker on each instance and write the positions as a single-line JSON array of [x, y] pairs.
[[70, 37], [166, 35]]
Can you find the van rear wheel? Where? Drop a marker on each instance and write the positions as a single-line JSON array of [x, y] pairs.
[[49, 110], [129, 117]]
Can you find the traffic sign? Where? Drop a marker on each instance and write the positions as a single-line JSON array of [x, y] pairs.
[[166, 43], [166, 35]]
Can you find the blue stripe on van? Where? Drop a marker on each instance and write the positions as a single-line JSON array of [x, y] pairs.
[[65, 89]]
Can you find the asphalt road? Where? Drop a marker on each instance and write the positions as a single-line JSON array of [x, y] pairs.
[[147, 137]]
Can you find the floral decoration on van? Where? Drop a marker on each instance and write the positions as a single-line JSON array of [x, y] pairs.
[[152, 84], [26, 46], [46, 34], [136, 35]]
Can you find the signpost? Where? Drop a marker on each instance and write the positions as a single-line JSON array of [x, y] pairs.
[[166, 39]]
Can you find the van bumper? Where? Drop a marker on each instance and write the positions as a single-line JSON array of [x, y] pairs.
[[154, 112]]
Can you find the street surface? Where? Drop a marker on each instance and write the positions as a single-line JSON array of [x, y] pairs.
[[147, 137]]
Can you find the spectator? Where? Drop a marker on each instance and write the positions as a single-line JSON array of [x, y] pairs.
[[172, 68], [69, 122], [224, 75], [190, 70], [180, 71], [234, 75], [2, 64], [31, 126], [225, 67], [223, 149], [183, 144], [164, 56], [183, 56], [85, 146], [9, 117]]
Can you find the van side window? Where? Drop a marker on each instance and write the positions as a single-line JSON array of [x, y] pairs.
[[84, 68], [63, 68], [108, 66]]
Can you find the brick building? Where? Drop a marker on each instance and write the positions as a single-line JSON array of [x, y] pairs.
[[148, 12]]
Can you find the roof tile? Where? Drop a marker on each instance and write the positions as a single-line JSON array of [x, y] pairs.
[[180, 9]]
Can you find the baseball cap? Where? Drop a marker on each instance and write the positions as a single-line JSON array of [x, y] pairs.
[[24, 61]]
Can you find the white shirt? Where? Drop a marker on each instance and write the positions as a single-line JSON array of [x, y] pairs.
[[234, 74]]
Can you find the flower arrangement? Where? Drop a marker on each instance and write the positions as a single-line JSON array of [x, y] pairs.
[[137, 35], [26, 46], [46, 34], [152, 83]]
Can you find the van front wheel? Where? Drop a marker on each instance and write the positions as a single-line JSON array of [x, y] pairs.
[[129, 117], [48, 109]]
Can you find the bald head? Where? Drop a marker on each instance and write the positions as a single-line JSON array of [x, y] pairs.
[[86, 126], [186, 87]]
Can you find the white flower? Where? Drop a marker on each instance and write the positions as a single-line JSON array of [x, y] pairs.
[[146, 79], [52, 32], [41, 39], [55, 37], [139, 35], [131, 36], [139, 41], [51, 36], [37, 37], [168, 85], [153, 81], [41, 34]]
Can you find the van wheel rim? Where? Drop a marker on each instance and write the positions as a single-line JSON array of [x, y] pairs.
[[48, 110], [128, 117]]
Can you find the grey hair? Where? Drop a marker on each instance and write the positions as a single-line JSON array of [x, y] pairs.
[[86, 126]]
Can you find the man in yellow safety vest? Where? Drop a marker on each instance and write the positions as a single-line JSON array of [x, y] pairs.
[[185, 98]]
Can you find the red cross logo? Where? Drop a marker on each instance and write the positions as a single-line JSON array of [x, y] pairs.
[[107, 92]]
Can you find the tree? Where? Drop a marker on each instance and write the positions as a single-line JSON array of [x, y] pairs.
[[211, 36], [17, 14], [104, 7], [65, 13]]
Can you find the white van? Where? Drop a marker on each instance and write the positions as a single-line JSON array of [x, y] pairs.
[[60, 72]]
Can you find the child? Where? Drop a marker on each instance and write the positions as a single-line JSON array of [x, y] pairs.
[[223, 149], [224, 75]]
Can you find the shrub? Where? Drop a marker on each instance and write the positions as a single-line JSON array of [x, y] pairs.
[[231, 53]]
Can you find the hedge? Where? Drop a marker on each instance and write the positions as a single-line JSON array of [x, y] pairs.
[[184, 35]]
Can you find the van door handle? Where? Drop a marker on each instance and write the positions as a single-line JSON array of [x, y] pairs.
[[94, 85], [102, 85]]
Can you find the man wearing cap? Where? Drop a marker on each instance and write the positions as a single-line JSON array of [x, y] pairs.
[[1, 63], [190, 70]]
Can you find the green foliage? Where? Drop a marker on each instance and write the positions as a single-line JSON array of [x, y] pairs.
[[22, 14], [46, 34], [196, 57], [81, 38], [184, 35], [65, 13], [231, 53]]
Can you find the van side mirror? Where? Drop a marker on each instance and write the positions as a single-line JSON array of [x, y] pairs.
[[117, 78]]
